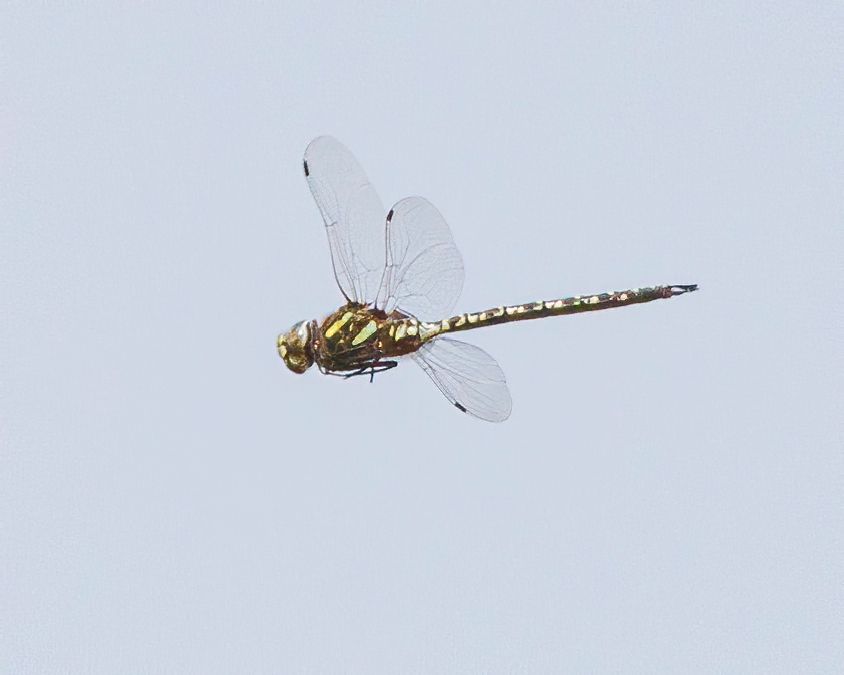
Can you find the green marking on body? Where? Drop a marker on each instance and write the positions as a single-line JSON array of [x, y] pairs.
[[337, 325], [365, 333]]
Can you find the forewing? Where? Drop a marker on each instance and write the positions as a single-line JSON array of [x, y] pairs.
[[424, 272], [353, 215], [467, 376]]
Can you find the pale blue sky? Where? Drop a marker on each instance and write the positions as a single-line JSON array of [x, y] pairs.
[[666, 496]]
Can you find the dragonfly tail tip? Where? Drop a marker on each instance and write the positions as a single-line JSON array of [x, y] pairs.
[[679, 289]]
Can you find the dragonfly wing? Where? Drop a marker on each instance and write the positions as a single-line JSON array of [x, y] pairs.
[[467, 376], [424, 272], [353, 215]]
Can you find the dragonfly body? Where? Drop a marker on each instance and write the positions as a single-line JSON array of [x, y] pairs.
[[399, 274], [356, 339]]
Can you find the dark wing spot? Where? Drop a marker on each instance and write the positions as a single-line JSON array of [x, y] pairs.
[[390, 215], [307, 173], [459, 407]]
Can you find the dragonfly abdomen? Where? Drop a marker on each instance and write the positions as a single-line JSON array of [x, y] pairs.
[[545, 308]]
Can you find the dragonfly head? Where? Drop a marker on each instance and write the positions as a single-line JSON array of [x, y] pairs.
[[294, 347]]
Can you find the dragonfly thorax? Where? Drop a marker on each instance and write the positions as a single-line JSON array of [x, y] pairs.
[[294, 347]]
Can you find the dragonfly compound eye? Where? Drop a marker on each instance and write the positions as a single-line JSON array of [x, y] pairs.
[[294, 347]]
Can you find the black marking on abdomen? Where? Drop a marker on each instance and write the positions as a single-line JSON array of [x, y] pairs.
[[307, 173]]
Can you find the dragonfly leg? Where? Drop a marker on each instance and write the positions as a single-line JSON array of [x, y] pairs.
[[372, 368], [382, 366], [359, 371]]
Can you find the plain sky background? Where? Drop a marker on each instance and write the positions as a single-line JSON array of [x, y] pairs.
[[667, 495]]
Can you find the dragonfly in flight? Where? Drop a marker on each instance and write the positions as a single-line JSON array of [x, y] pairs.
[[400, 275]]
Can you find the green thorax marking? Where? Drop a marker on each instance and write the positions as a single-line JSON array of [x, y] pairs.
[[365, 333]]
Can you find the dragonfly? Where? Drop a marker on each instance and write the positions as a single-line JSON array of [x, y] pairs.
[[401, 275]]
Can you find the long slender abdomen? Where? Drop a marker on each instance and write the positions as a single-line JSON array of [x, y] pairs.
[[544, 308]]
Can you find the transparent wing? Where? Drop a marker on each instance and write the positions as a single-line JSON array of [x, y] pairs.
[[468, 376], [353, 215], [424, 272]]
